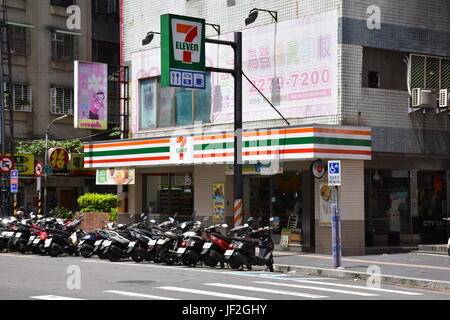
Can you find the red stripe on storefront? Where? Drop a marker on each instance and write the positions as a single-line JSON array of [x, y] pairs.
[[288, 151], [127, 160], [214, 155]]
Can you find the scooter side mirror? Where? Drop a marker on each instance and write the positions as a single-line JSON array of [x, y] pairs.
[[224, 225], [153, 221], [171, 219]]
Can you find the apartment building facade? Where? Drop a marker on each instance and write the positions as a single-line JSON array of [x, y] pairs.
[[345, 71], [46, 38]]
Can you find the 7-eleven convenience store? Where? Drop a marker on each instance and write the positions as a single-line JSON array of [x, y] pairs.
[[192, 175]]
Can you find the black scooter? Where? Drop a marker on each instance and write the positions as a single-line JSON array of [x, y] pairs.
[[192, 246], [64, 240], [247, 252]]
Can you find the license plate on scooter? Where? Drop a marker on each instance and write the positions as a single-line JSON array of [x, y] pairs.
[[131, 244], [151, 242], [36, 241], [98, 242], [181, 250], [229, 252], [18, 235], [81, 242], [48, 243], [161, 241], [106, 244], [207, 245]]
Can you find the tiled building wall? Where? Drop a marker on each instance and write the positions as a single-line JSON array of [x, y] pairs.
[[140, 18], [407, 26]]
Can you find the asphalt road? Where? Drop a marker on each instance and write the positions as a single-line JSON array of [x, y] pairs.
[[32, 277]]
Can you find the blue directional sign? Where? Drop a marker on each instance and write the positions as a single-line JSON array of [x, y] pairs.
[[14, 188], [187, 79], [334, 173], [14, 173]]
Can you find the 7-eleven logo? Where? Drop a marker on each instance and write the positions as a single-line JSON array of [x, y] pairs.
[[187, 40], [182, 143]]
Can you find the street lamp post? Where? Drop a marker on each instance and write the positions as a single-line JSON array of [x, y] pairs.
[[46, 159]]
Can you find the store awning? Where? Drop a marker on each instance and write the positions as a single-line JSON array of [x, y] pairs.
[[277, 144]]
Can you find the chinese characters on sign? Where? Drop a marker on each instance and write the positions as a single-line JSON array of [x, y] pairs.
[[58, 158]]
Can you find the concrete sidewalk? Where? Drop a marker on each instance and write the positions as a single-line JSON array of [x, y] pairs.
[[416, 269]]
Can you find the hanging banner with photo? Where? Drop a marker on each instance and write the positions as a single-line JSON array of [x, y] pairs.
[[91, 95], [218, 201], [327, 196], [115, 176]]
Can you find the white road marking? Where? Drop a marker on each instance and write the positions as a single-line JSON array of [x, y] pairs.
[[318, 288], [360, 287], [210, 293], [50, 297], [139, 295], [291, 293]]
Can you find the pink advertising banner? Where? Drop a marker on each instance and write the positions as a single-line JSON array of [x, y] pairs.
[[293, 63], [91, 95]]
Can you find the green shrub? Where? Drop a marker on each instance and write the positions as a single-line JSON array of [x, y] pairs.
[[63, 213], [113, 215], [96, 202]]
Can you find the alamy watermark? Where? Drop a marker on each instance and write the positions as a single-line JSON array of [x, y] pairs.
[[74, 20], [374, 19], [374, 280], [73, 282]]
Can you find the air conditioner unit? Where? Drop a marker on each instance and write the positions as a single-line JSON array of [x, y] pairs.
[[424, 98], [444, 98]]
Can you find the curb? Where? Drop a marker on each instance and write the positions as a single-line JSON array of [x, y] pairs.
[[344, 274]]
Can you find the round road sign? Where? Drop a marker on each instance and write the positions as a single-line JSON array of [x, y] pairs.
[[38, 169], [6, 164]]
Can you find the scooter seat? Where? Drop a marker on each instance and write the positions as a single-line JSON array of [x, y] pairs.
[[220, 236]]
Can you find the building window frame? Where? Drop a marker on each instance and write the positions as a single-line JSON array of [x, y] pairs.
[[61, 100], [64, 45], [21, 97], [173, 97]]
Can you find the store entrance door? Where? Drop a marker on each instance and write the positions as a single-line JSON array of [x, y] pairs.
[[275, 196]]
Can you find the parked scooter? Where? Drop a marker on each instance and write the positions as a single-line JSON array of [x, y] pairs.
[[87, 246], [65, 240], [169, 242], [159, 238], [141, 237], [6, 232], [191, 247], [214, 249], [247, 252]]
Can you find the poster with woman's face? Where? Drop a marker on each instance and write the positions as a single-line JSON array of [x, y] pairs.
[[91, 95]]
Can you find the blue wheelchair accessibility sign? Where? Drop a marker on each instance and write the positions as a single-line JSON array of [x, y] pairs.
[[334, 173]]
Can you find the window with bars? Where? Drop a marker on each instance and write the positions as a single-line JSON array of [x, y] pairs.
[[64, 46], [19, 38], [429, 72], [19, 96], [62, 100]]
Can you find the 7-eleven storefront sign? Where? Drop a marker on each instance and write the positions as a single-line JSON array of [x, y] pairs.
[[182, 52], [285, 144]]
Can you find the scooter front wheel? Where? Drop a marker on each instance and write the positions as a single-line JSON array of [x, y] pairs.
[[209, 261], [55, 250]]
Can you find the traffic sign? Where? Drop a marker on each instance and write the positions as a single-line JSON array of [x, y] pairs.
[[38, 169], [334, 173], [6, 164], [14, 181]]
